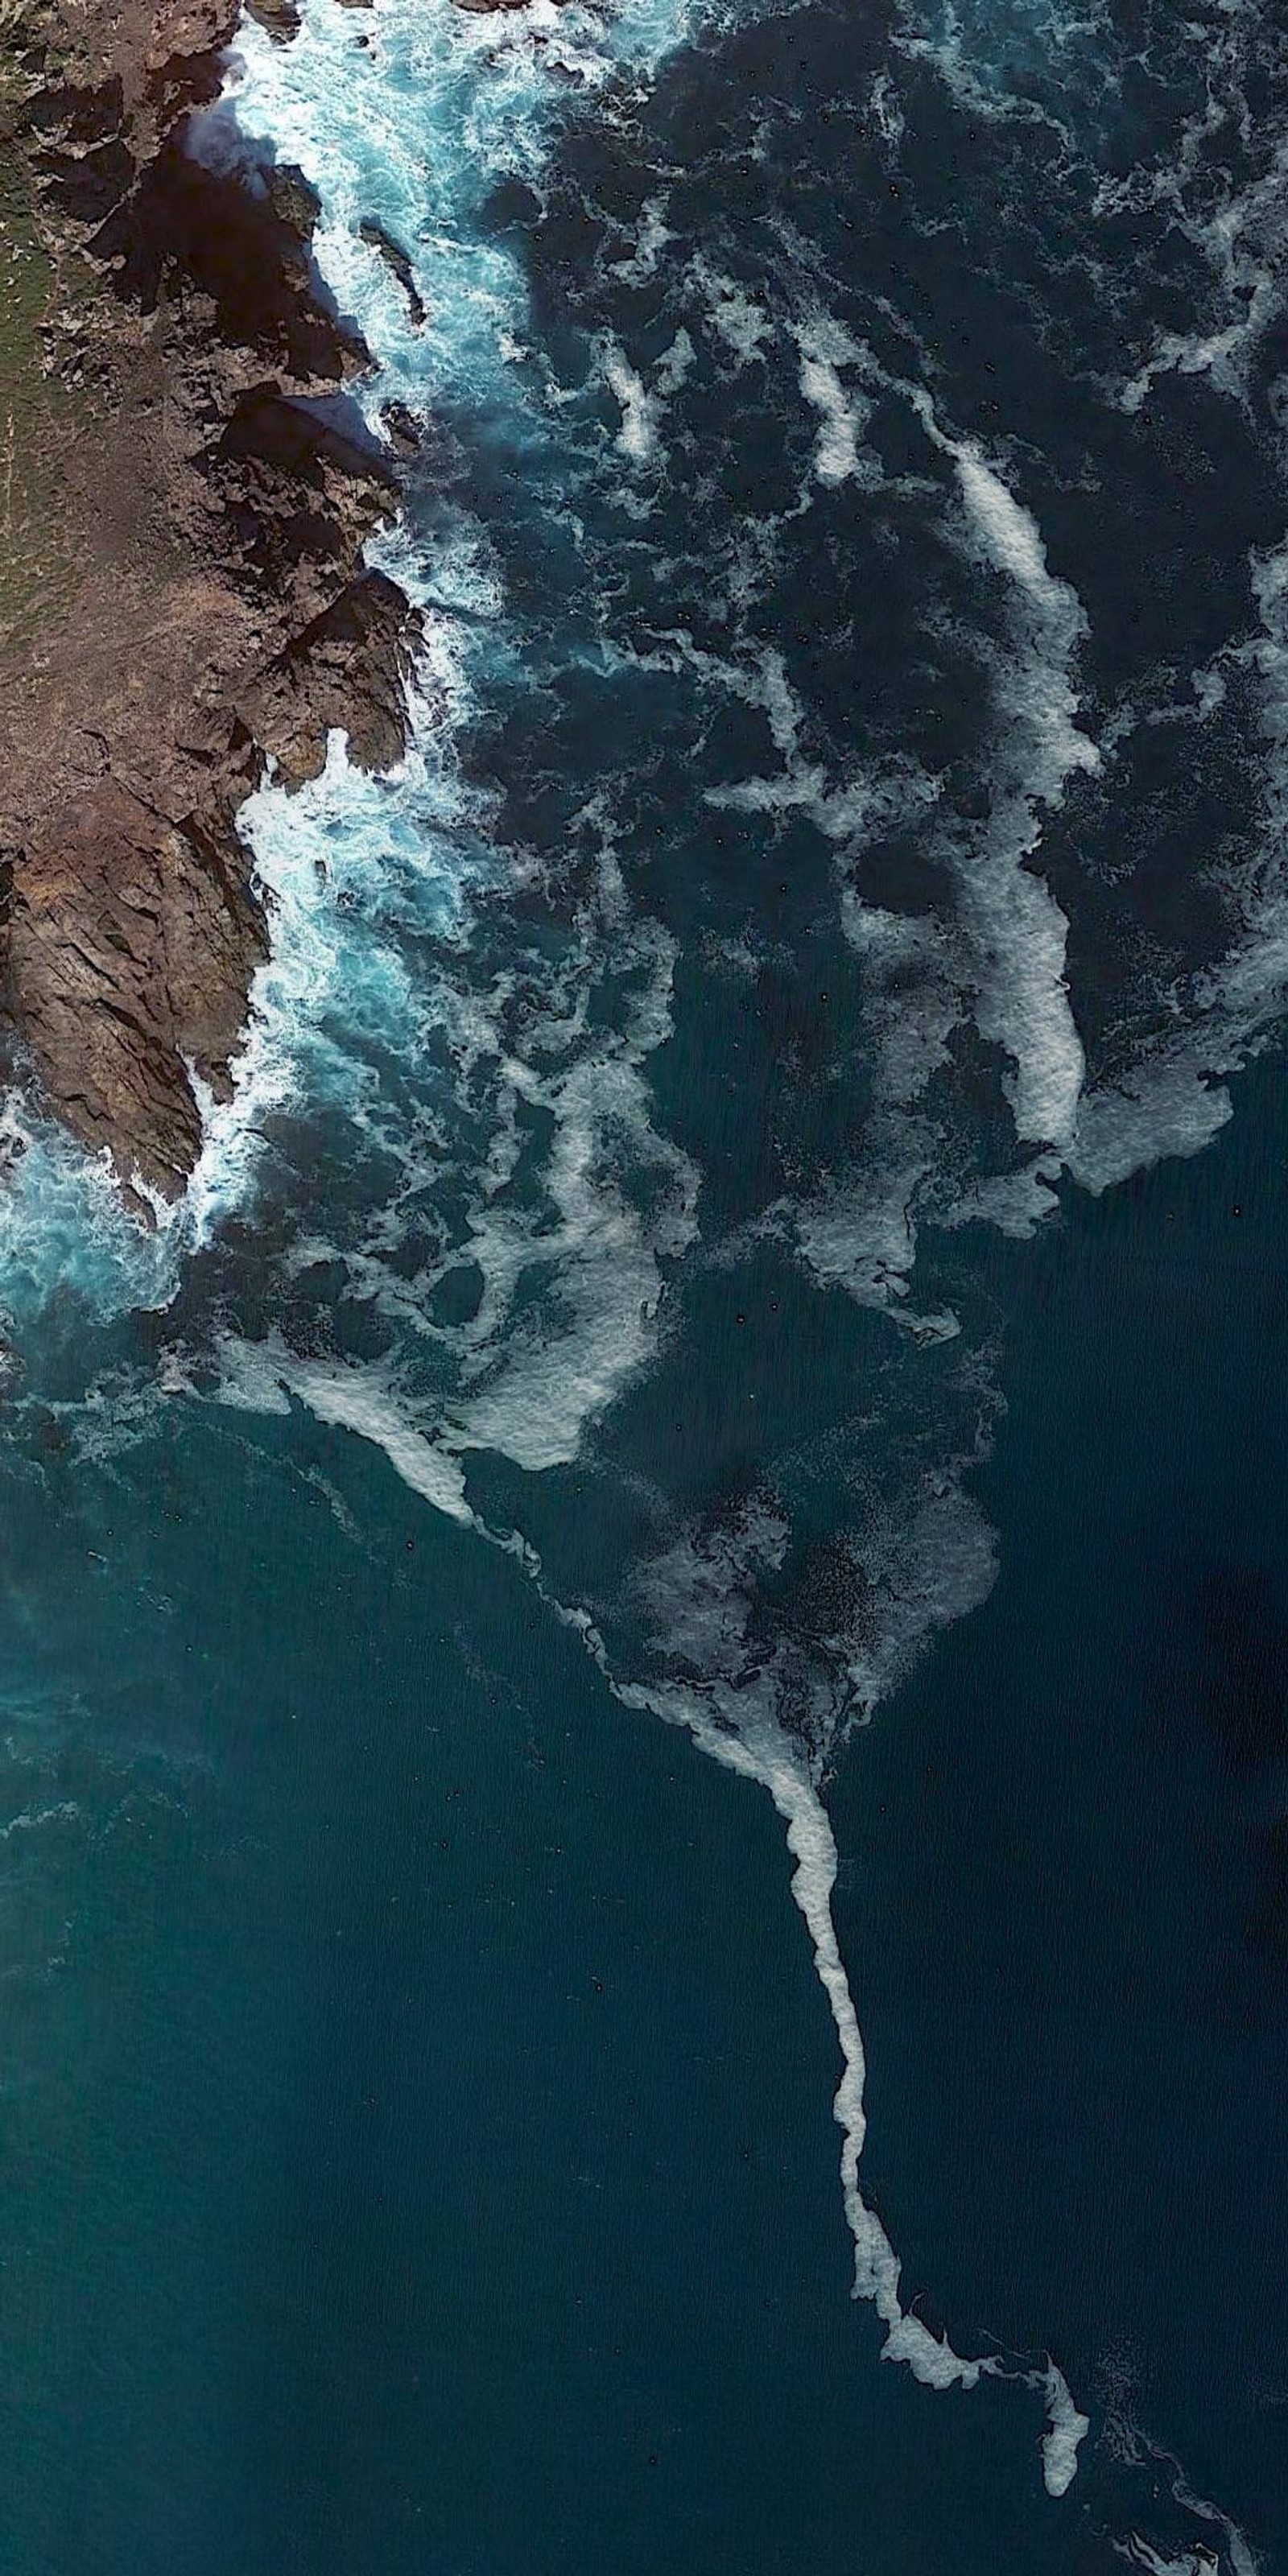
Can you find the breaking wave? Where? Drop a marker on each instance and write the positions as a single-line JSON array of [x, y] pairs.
[[767, 745]]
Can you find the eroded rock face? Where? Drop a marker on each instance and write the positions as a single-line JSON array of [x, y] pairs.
[[128, 950], [217, 610], [379, 237]]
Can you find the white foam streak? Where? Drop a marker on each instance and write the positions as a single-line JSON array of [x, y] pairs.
[[1014, 919], [351, 1402], [876, 2265], [1010, 536], [651, 238], [638, 436], [1066, 2430], [1173, 1099], [1002, 959], [1015, 935], [543, 1389], [739, 325], [1243, 243], [1139, 2451], [1194, 2562], [836, 456], [824, 348], [736, 1726], [747, 1739], [32, 1820], [1163, 1110]]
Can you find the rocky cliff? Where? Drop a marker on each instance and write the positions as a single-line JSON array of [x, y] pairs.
[[182, 588]]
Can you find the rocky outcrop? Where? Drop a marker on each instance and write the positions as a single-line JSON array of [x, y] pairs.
[[216, 489], [378, 237], [129, 946]]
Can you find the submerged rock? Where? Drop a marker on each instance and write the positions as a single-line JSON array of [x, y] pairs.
[[396, 259]]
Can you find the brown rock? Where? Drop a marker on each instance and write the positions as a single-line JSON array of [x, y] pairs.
[[347, 670], [212, 606], [280, 19], [396, 260], [129, 949]]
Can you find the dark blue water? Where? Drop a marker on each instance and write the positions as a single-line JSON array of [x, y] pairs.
[[739, 1304], [1099, 1762]]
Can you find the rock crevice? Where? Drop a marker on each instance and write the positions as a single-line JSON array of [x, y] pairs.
[[212, 609]]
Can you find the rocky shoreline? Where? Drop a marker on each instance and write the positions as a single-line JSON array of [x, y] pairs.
[[199, 603]]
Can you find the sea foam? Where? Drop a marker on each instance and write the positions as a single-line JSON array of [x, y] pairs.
[[442, 1078]]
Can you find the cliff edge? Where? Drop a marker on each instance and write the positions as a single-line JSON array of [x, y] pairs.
[[183, 511]]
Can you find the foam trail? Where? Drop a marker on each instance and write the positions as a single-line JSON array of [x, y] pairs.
[[1027, 1010], [1243, 2560], [738, 324], [416, 124], [1196, 2562], [336, 1397], [1243, 242], [1175, 1098], [638, 435], [1066, 2428], [752, 1744], [1013, 916], [824, 348], [876, 2265], [1001, 958]]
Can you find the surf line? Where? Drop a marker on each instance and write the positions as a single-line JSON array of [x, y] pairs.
[[755, 1746]]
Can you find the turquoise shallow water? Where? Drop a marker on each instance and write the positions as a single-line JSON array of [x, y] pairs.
[[415, 2113], [683, 1532], [415, 2103]]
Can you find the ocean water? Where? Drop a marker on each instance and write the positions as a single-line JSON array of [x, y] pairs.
[[645, 1644]]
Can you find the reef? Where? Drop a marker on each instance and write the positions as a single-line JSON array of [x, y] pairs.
[[187, 489]]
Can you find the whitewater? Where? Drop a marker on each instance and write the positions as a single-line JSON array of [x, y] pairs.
[[487, 94], [452, 1128]]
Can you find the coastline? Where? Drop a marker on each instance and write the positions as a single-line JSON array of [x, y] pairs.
[[214, 614]]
